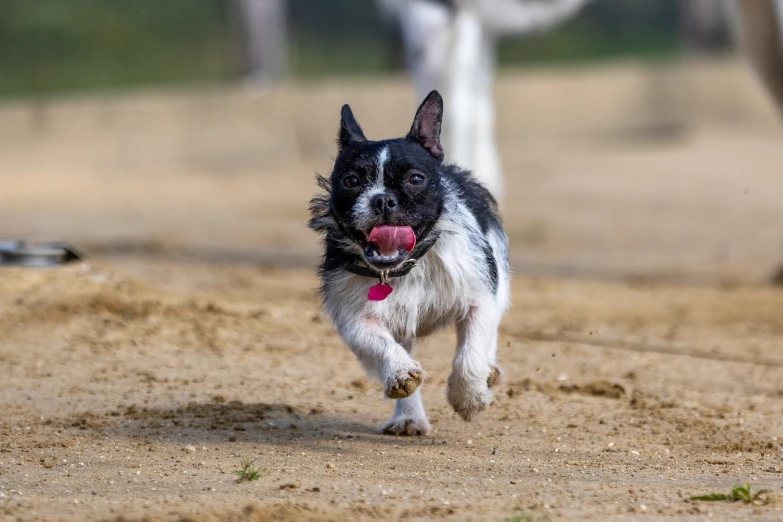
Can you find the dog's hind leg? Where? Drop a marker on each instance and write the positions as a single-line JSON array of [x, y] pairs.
[[409, 416], [473, 370]]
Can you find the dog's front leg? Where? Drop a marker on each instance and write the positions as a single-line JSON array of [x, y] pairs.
[[383, 357], [409, 417], [473, 370]]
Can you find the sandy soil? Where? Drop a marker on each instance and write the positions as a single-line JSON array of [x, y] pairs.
[[137, 390], [133, 388]]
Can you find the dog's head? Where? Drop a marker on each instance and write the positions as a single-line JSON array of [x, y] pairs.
[[385, 196]]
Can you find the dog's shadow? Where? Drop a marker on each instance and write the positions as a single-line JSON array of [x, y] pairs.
[[223, 422]]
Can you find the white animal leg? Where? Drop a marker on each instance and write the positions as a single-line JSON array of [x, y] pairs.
[[487, 168], [462, 68], [469, 119], [473, 370], [451, 52], [427, 33], [382, 356], [409, 416]]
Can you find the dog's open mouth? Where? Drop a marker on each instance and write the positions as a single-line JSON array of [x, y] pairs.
[[389, 245]]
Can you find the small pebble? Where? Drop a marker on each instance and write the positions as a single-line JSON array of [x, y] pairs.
[[190, 449]]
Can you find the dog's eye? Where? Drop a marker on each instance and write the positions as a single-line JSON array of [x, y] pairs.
[[416, 179], [351, 181]]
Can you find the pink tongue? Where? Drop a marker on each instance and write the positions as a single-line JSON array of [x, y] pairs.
[[389, 239]]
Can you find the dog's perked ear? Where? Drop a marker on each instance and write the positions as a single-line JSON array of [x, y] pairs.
[[350, 131], [426, 125]]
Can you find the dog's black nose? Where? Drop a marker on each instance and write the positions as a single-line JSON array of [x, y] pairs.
[[383, 203]]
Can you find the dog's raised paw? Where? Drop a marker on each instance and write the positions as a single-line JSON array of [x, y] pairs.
[[468, 398], [406, 427], [403, 384]]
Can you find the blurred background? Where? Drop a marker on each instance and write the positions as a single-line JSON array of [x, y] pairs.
[[51, 47], [635, 140]]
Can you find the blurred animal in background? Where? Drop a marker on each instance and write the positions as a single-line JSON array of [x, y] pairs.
[[263, 39], [451, 46], [759, 24]]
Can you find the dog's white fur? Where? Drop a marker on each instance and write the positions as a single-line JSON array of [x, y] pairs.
[[449, 285], [362, 211]]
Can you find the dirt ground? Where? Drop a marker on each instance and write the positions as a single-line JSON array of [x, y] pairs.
[[137, 390], [642, 352]]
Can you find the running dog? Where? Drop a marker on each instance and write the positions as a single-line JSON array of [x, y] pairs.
[[412, 245]]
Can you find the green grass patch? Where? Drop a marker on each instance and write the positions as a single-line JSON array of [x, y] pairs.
[[739, 493], [248, 472]]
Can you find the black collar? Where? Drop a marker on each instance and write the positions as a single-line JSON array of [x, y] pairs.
[[405, 270]]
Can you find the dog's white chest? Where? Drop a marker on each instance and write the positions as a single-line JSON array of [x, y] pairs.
[[451, 278], [435, 293]]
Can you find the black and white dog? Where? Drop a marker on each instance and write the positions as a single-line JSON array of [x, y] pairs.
[[412, 245]]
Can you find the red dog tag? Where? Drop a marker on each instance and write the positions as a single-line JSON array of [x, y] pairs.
[[379, 292]]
